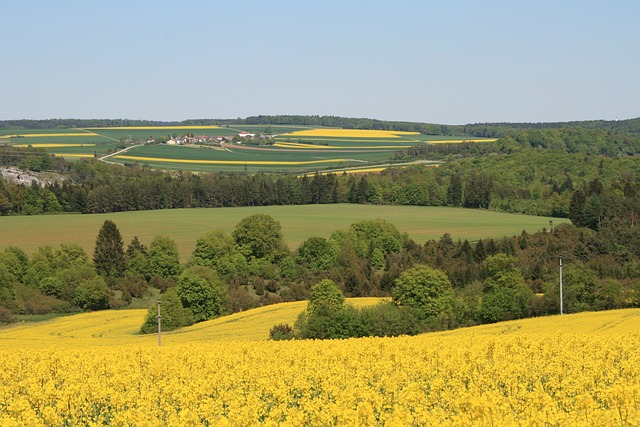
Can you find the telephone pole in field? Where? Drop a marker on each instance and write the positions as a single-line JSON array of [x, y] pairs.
[[159, 323], [560, 258]]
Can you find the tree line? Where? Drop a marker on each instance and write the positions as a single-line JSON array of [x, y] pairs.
[[476, 129], [529, 181], [434, 285]]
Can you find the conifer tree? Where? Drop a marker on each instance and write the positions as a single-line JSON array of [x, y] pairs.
[[108, 256]]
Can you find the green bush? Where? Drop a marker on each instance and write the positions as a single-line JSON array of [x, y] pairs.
[[281, 332], [383, 320], [174, 316]]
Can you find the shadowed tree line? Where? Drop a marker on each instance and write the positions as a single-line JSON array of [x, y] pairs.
[[537, 182]]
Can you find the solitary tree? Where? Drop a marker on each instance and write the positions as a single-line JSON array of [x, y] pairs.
[[260, 236], [212, 248], [317, 253], [426, 289], [506, 295], [201, 291], [164, 259], [108, 256], [325, 295]]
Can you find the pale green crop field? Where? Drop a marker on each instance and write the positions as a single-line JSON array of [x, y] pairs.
[[298, 223]]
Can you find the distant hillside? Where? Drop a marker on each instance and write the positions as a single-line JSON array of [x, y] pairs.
[[628, 125]]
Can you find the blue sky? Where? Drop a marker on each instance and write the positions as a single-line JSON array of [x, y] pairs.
[[451, 62]]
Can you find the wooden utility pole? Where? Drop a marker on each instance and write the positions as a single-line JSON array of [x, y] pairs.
[[560, 258], [159, 323], [561, 305]]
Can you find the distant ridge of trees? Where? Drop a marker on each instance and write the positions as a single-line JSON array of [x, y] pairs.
[[499, 128], [78, 123]]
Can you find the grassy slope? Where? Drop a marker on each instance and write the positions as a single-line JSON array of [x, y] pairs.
[[120, 327], [298, 223]]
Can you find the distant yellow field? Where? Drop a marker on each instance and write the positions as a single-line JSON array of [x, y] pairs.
[[227, 162], [350, 133], [458, 141], [87, 155], [155, 127], [54, 145], [367, 170], [348, 171], [320, 147], [300, 145]]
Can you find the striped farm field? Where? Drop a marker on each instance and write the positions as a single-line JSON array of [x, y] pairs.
[[349, 133], [40, 135], [46, 132], [296, 149], [185, 226], [245, 158], [54, 145], [229, 162]]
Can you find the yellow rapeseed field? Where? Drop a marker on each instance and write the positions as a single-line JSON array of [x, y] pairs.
[[349, 133], [73, 155], [348, 171], [300, 145], [458, 141], [121, 327], [572, 370], [320, 147]]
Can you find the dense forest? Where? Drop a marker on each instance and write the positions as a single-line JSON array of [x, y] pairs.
[[531, 181], [588, 173]]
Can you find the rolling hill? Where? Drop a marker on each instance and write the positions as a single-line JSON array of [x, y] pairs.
[[121, 327]]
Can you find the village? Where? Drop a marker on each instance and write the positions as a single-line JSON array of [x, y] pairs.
[[240, 138]]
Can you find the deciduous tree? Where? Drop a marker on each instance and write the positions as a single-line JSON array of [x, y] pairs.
[[426, 289]]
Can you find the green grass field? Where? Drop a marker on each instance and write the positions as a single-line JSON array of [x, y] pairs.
[[298, 223], [275, 129], [138, 134]]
